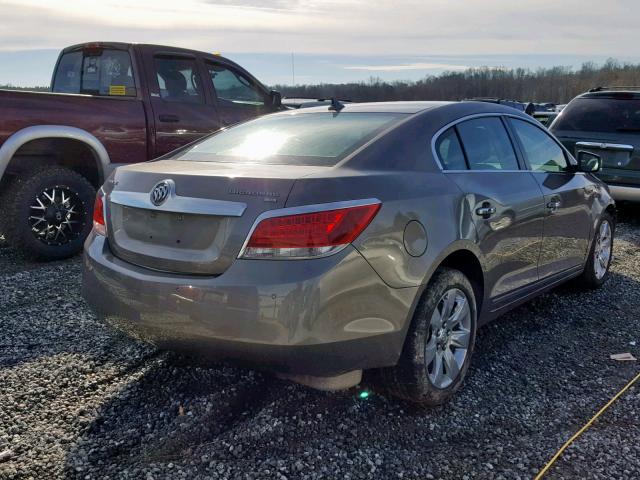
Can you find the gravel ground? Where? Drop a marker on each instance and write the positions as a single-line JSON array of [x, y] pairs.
[[77, 400]]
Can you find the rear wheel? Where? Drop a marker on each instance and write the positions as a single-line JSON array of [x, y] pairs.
[[48, 215], [439, 343], [596, 270]]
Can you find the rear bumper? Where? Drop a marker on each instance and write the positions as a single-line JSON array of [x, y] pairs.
[[316, 317], [623, 184], [623, 192]]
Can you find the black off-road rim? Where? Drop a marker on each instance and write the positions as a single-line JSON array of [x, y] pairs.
[[57, 216]]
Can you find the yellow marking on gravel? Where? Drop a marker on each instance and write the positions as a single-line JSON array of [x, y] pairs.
[[585, 427]]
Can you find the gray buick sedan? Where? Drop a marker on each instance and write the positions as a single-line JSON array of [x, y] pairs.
[[321, 242]]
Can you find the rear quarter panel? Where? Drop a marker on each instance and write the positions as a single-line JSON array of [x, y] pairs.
[[120, 124], [428, 197]]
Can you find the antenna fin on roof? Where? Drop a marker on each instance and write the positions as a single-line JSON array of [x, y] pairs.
[[336, 105]]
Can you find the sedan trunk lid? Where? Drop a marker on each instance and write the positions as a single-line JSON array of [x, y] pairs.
[[202, 213]]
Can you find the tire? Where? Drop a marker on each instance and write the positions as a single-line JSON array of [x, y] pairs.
[[25, 202], [413, 378], [592, 276]]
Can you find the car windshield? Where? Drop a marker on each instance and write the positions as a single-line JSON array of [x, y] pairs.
[[318, 139], [600, 115]]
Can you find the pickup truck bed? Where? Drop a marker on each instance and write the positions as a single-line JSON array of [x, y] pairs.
[[111, 104]]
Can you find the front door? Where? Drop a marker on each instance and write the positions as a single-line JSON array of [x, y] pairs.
[[181, 111], [567, 197], [505, 201]]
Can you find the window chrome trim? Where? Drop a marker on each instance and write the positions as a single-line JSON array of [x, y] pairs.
[[179, 204], [606, 146], [317, 207], [531, 120]]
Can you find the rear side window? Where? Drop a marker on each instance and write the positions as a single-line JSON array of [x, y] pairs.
[[321, 139], [450, 151], [542, 153], [178, 80], [105, 72], [487, 144], [600, 115]]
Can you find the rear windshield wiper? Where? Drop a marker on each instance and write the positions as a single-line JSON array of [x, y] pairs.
[[628, 129]]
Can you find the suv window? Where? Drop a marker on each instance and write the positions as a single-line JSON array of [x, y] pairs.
[[96, 72], [594, 114], [541, 151], [487, 144], [178, 80], [234, 87], [450, 151]]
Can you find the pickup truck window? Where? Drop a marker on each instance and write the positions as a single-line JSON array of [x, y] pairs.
[[104, 72], [178, 80], [233, 87]]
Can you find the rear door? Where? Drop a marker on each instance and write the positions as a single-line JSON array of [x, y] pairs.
[[181, 111], [568, 198], [238, 96], [505, 201]]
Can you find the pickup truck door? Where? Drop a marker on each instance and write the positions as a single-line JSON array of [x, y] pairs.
[[238, 96], [181, 110]]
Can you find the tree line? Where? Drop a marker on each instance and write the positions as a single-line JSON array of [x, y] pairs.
[[556, 84]]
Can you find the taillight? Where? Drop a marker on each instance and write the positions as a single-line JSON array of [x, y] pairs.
[[318, 232], [99, 224]]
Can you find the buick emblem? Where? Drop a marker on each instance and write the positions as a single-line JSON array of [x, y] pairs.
[[161, 191]]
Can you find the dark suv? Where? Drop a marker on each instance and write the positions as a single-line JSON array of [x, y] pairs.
[[606, 121]]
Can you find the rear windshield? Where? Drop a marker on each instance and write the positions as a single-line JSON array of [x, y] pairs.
[[105, 72], [319, 139], [600, 115]]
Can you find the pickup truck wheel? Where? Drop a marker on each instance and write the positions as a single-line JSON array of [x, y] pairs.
[[47, 216]]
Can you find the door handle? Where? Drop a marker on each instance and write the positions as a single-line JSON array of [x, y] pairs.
[[169, 118], [553, 205], [486, 210]]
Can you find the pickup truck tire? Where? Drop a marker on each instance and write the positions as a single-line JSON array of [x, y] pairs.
[[48, 214]]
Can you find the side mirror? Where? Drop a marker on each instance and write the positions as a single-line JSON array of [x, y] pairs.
[[276, 98], [589, 162]]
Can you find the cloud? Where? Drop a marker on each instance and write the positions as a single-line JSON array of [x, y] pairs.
[[354, 27], [407, 66]]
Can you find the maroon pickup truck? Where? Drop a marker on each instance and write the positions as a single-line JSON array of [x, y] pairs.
[[110, 104]]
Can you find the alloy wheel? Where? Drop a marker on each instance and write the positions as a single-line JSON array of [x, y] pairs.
[[602, 251], [57, 215], [449, 337]]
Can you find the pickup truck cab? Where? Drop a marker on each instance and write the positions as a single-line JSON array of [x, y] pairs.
[[110, 104]]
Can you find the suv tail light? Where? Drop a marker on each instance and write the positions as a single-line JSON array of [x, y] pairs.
[[99, 224], [317, 231]]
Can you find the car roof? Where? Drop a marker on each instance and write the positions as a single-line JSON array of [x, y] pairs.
[[444, 109], [618, 94], [127, 45], [380, 107]]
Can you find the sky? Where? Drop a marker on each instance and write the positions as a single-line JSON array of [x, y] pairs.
[[331, 40]]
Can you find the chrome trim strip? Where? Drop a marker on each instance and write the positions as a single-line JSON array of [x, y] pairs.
[[621, 192], [179, 204], [606, 146], [531, 120], [281, 212], [35, 132]]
